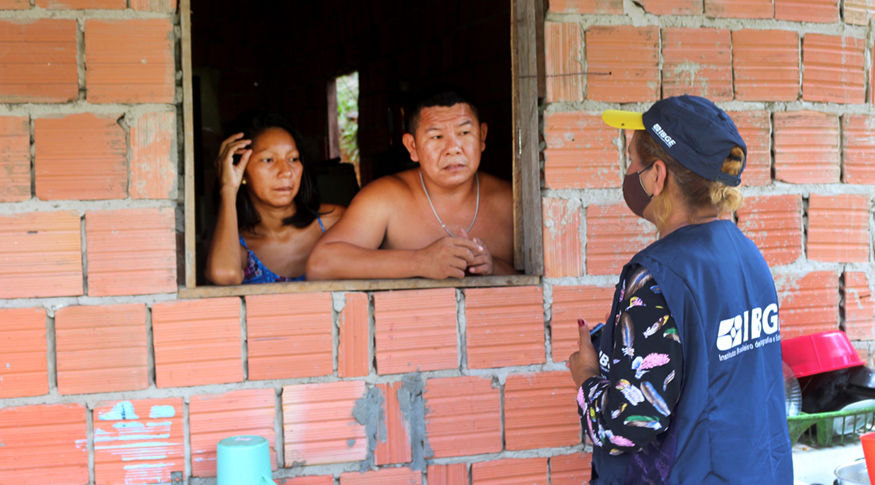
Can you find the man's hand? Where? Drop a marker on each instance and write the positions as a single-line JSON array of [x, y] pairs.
[[448, 257], [585, 362], [481, 264]]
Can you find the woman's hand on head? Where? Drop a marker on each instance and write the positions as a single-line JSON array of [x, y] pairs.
[[229, 173]]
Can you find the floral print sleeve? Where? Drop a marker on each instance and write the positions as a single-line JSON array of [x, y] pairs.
[[627, 410]]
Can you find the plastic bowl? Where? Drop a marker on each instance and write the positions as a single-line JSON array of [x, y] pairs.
[[820, 352]]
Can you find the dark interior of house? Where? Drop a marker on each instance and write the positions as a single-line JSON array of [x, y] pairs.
[[287, 56]]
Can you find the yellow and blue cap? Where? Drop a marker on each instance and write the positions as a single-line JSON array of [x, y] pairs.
[[692, 129]]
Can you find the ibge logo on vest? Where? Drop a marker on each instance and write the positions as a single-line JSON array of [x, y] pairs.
[[752, 329]]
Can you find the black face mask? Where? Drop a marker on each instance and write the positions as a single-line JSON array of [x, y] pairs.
[[634, 194]]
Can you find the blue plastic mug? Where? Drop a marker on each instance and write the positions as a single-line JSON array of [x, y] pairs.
[[244, 460]]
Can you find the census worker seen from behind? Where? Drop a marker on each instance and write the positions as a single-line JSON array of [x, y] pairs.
[[685, 385]]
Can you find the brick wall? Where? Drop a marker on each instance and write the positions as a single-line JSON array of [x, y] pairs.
[[797, 80], [109, 378]]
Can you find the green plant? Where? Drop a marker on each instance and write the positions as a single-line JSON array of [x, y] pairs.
[[347, 117]]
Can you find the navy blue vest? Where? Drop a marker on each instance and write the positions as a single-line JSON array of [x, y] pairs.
[[730, 425]]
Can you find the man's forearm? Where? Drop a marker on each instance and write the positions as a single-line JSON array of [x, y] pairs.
[[344, 261], [501, 267]]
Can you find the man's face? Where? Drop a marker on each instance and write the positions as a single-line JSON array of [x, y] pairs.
[[447, 143]]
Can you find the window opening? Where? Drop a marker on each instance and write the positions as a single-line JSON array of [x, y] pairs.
[[347, 92], [388, 57]]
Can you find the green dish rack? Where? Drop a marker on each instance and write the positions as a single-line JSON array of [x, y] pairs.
[[833, 428]]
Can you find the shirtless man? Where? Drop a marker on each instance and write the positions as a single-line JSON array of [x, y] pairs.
[[441, 220]]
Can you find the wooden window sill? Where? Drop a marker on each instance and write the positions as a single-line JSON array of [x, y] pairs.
[[357, 285]]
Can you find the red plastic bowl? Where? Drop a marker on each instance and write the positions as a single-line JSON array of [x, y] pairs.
[[819, 352]]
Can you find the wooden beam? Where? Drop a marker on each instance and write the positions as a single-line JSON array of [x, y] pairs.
[[527, 170], [188, 144]]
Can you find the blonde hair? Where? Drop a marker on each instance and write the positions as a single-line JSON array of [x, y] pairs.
[[696, 191]]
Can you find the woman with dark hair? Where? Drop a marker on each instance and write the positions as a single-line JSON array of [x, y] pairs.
[[270, 215]]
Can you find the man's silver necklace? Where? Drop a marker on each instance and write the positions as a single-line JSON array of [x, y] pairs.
[[476, 207]]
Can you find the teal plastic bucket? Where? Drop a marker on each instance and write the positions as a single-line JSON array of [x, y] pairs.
[[244, 460]]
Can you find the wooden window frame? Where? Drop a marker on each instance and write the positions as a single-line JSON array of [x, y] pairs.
[[527, 18]]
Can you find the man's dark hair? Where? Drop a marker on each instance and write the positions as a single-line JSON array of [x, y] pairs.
[[444, 95], [307, 200]]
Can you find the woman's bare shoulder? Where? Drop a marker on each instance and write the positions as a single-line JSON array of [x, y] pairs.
[[330, 213]]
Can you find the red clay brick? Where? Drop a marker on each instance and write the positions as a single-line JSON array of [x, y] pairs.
[[505, 326], [570, 469], [215, 417], [101, 348], [613, 235], [824, 11], [833, 69], [318, 424], [415, 330], [858, 149], [590, 303], [859, 306], [120, 71], [311, 480], [864, 354], [510, 471], [538, 413], [744, 9], [197, 342], [765, 65], [672, 7], [44, 55], [808, 303], [41, 254], [154, 5], [774, 224], [581, 153], [756, 130], [562, 250], [81, 4], [563, 61], [138, 441], [455, 474], [611, 7], [462, 416], [838, 228], [353, 359], [872, 83], [385, 476], [857, 12], [697, 61], [806, 147], [631, 56], [289, 336], [153, 171], [14, 4], [80, 157], [14, 158], [395, 447], [44, 445], [131, 251], [23, 347]]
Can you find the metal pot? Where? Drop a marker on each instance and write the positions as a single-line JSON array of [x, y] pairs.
[[853, 473]]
